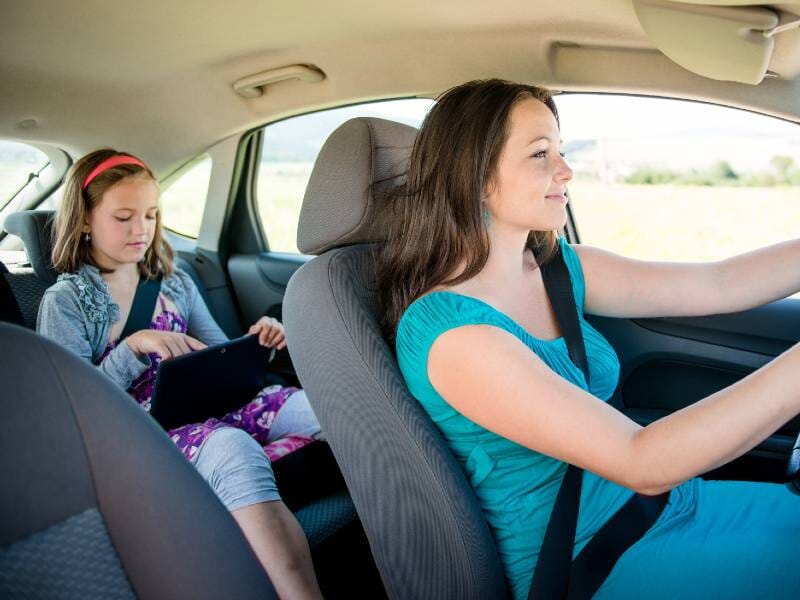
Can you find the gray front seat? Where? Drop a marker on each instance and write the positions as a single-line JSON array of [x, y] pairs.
[[427, 533], [96, 501]]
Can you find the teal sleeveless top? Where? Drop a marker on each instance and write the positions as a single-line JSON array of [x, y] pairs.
[[515, 486]]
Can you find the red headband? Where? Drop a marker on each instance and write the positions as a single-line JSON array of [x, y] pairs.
[[108, 163]]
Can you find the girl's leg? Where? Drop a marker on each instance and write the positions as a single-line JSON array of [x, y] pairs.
[[274, 414], [280, 544], [295, 417], [239, 472]]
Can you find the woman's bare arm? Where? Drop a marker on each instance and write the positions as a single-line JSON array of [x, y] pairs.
[[622, 287], [492, 378]]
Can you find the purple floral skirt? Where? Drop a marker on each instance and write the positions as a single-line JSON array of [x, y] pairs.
[[255, 417]]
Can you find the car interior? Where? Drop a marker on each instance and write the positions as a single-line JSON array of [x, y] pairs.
[[273, 129]]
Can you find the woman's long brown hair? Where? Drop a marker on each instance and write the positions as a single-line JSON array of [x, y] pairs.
[[70, 248], [435, 219]]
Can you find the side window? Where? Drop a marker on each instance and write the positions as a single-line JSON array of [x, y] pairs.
[[661, 179], [17, 162], [183, 198], [288, 151]]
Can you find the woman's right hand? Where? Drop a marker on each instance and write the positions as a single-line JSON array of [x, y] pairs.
[[167, 344]]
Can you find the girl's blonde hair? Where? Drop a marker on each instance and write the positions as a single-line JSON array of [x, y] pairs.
[[71, 249]]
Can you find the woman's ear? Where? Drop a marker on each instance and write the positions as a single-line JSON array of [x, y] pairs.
[[488, 189]]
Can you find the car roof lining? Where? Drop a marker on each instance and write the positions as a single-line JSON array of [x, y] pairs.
[[162, 85]]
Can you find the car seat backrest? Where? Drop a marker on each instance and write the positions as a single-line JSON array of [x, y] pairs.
[[9, 307], [35, 228], [96, 500], [27, 291], [29, 284], [325, 508], [427, 533]]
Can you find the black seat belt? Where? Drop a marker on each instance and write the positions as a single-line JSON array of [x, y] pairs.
[[143, 307], [556, 575]]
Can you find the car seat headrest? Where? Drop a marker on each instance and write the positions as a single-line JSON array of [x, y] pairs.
[[35, 228], [362, 159]]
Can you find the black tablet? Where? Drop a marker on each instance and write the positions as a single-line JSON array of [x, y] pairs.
[[209, 383]]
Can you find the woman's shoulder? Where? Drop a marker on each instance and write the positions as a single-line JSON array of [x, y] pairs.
[[435, 312], [442, 306]]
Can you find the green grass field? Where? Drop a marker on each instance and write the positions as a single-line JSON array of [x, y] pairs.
[[279, 193], [684, 223]]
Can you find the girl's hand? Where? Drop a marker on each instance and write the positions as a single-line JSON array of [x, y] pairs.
[[270, 333], [167, 344]]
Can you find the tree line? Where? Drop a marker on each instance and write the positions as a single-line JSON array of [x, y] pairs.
[[783, 171]]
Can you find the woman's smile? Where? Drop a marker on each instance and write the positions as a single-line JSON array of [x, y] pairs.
[[560, 198]]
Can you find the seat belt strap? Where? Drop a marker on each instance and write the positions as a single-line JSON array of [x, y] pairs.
[[551, 577], [558, 285], [594, 563], [144, 304], [556, 576]]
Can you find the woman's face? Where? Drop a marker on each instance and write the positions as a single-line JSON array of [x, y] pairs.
[[528, 190]]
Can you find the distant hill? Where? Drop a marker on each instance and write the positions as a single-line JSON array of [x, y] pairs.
[[744, 151]]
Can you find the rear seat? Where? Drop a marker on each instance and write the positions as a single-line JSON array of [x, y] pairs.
[[9, 308], [321, 519], [28, 284], [20, 295]]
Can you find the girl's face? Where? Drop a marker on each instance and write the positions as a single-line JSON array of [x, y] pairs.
[[123, 224], [529, 187]]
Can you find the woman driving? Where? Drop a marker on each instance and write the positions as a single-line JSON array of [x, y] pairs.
[[480, 347]]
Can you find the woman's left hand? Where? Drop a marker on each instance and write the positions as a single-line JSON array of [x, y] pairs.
[[270, 332]]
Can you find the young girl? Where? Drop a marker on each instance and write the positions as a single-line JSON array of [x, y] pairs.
[[108, 236], [480, 347]]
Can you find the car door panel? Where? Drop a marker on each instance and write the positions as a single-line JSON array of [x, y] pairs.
[[260, 281], [668, 364], [770, 329], [278, 267]]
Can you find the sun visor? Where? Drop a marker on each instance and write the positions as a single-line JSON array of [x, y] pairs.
[[726, 43]]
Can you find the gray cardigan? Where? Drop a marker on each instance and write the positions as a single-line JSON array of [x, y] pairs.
[[77, 311]]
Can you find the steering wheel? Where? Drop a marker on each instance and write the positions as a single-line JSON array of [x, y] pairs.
[[793, 469]]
